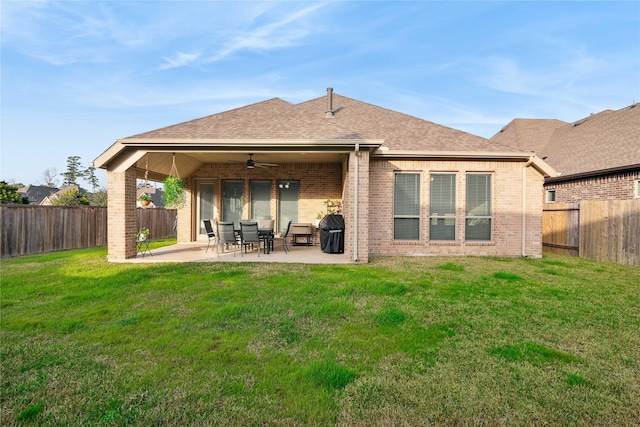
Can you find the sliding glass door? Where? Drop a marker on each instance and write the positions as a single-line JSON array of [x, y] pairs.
[[206, 204], [287, 203], [260, 200], [232, 192]]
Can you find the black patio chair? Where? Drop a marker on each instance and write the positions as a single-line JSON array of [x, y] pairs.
[[249, 236], [265, 228], [226, 236], [210, 233], [283, 238]]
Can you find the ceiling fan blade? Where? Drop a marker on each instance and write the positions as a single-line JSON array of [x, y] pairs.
[[262, 164]]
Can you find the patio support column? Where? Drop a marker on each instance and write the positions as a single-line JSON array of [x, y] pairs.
[[185, 232], [359, 192], [122, 217]]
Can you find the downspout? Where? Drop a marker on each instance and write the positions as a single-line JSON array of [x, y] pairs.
[[355, 205], [524, 206]]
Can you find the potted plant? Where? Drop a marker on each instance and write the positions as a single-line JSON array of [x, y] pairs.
[[173, 194], [145, 199], [319, 218], [143, 233]]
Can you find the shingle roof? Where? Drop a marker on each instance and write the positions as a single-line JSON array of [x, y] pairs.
[[37, 193], [603, 141], [353, 119]]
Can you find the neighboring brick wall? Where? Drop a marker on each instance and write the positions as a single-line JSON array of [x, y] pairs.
[[619, 186], [507, 209], [122, 219]]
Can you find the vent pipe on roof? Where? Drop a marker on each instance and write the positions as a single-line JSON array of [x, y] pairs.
[[329, 113]]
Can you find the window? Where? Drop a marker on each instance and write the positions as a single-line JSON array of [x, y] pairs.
[[442, 207], [260, 200], [550, 196], [478, 207], [406, 206], [637, 188]]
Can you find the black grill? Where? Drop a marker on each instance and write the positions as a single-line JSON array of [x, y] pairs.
[[332, 234]]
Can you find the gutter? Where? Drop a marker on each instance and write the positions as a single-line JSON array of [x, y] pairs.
[[179, 145], [542, 167], [590, 174], [355, 206], [524, 206]]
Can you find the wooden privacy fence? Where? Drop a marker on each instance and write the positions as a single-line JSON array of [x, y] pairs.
[[607, 230], [30, 229]]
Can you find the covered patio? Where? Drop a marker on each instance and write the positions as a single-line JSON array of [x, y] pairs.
[[197, 252]]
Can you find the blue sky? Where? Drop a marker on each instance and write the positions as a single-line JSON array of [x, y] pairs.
[[77, 75]]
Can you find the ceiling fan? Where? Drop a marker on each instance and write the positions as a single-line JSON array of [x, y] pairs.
[[251, 163]]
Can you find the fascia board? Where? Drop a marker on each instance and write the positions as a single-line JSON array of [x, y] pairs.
[[537, 162], [243, 143]]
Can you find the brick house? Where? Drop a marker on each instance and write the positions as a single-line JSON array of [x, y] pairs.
[[406, 186], [596, 158]]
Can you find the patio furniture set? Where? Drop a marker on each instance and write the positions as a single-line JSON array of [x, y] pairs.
[[248, 234]]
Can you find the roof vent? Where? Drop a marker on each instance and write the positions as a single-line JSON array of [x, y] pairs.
[[329, 113]]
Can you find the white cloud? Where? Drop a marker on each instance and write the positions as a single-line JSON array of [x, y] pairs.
[[286, 31], [181, 59]]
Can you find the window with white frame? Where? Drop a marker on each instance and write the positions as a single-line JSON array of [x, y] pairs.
[[479, 209], [637, 188], [550, 196], [406, 206], [442, 206]]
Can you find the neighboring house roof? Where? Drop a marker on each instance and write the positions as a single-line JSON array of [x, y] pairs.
[[276, 122], [51, 198], [600, 143], [36, 193]]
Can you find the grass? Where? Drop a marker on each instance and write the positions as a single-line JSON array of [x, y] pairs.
[[400, 341]]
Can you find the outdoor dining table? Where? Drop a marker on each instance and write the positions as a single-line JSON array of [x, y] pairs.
[[266, 235]]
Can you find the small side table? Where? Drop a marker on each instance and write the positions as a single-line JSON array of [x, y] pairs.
[[142, 247]]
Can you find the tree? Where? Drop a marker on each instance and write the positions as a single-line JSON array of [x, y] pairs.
[[90, 176], [9, 194], [50, 177], [72, 198], [99, 198], [74, 171]]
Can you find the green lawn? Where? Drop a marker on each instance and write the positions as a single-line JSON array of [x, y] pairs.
[[400, 341]]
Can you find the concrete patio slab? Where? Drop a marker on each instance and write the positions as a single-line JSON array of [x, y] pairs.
[[197, 252]]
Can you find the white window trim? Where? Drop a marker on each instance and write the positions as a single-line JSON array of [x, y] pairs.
[[636, 189], [418, 215], [547, 193], [453, 216], [489, 217]]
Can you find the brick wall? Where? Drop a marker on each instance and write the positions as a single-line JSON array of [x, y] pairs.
[[122, 220], [318, 182], [507, 209], [618, 186]]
